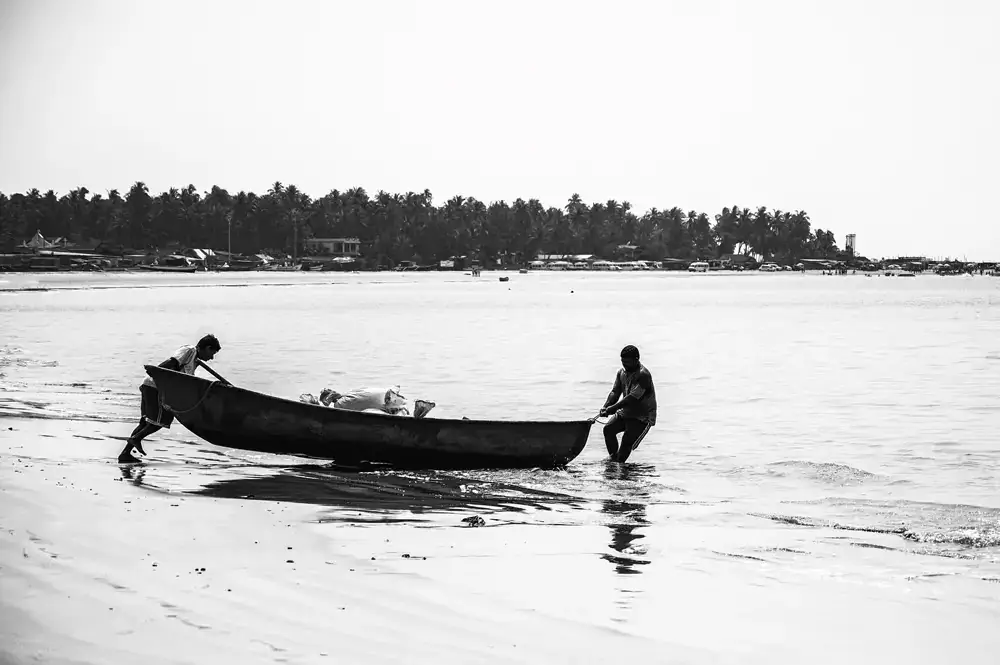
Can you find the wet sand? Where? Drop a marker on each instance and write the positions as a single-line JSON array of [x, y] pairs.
[[199, 556], [100, 569]]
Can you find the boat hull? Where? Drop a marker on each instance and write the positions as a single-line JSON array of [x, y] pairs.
[[248, 420], [168, 268]]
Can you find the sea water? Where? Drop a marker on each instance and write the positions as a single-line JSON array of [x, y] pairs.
[[824, 474]]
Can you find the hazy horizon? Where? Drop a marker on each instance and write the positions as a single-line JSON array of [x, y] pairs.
[[875, 118]]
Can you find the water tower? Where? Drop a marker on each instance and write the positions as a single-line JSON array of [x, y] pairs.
[[850, 243]]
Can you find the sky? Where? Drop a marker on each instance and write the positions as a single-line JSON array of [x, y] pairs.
[[877, 117]]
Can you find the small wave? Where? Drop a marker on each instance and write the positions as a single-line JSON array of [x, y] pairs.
[[966, 526], [827, 524], [17, 361], [69, 417], [911, 578], [791, 519], [740, 556], [975, 537], [829, 472], [873, 546]]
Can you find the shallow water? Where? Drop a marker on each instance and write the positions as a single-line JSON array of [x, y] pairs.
[[826, 460]]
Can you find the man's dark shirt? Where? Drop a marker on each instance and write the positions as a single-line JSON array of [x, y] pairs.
[[639, 385]]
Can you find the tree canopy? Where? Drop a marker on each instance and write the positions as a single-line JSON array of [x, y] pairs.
[[400, 227]]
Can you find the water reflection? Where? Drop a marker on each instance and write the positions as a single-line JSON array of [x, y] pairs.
[[625, 513], [625, 518], [352, 495], [133, 473]]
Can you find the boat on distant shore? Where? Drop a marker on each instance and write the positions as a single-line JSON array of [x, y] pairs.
[[159, 268], [239, 266], [239, 418]]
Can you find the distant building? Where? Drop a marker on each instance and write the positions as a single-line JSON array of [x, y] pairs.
[[565, 257], [39, 242], [453, 263], [744, 261], [626, 251], [332, 246]]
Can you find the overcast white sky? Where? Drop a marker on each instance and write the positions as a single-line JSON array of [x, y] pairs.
[[877, 117]]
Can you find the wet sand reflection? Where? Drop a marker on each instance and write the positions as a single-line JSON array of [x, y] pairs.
[[625, 514], [354, 496]]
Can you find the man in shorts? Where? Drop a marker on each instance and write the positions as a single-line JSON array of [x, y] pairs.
[[185, 359], [635, 412]]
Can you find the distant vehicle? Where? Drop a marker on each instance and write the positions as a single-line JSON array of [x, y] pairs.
[[769, 267], [698, 266]]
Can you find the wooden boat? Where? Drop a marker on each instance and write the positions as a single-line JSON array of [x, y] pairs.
[[162, 268], [239, 266], [239, 418]]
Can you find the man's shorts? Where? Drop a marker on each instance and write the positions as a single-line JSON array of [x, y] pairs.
[[152, 408]]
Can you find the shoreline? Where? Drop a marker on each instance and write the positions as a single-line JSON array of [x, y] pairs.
[[107, 563], [25, 282], [98, 569]]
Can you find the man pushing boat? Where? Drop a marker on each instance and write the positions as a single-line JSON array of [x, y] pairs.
[[153, 415], [635, 412]]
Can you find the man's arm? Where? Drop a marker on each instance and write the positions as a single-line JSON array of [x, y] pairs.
[[643, 383], [202, 363], [616, 391], [171, 363]]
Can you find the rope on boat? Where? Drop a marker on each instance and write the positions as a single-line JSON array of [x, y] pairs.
[[197, 404]]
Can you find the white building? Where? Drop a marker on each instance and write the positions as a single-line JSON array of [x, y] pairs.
[[332, 246]]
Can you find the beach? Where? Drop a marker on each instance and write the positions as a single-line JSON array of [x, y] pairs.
[[98, 570], [821, 485]]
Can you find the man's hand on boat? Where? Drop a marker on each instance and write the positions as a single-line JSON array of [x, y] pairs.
[[221, 378]]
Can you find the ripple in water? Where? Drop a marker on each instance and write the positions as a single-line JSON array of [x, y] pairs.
[[972, 527]]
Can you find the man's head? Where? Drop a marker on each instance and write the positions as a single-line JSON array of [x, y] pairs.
[[208, 346], [630, 358]]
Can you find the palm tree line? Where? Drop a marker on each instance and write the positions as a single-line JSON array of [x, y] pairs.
[[405, 227]]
